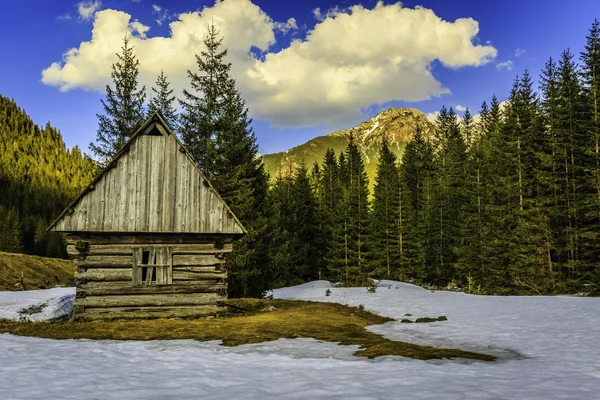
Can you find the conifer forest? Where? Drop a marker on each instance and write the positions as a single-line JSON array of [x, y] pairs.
[[504, 202]]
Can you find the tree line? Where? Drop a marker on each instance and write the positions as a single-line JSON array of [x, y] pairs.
[[507, 204]]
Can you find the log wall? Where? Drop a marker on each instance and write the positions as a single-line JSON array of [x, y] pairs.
[[106, 288]]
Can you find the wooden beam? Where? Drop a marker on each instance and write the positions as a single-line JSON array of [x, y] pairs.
[[127, 249], [191, 259], [106, 274], [149, 239], [116, 313], [145, 300], [124, 288], [184, 275]]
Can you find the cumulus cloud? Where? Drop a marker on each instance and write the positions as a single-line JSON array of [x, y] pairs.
[[507, 64], [432, 116], [138, 29], [88, 8], [350, 60], [519, 52], [460, 108]]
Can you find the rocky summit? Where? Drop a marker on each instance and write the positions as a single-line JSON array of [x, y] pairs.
[[398, 125]]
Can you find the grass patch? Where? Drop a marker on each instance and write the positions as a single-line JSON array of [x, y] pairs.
[[25, 272], [262, 321]]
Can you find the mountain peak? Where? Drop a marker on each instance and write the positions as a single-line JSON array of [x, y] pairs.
[[398, 125]]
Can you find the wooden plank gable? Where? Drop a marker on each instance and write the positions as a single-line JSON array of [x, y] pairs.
[[151, 186]]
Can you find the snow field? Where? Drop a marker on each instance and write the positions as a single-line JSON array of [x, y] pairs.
[[548, 348]]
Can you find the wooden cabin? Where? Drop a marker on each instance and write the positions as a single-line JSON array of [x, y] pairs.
[[150, 234]]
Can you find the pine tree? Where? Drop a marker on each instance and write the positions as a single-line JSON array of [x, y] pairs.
[[417, 180], [330, 194], [449, 197], [386, 222], [590, 74], [216, 129], [163, 100], [571, 142], [348, 251], [123, 108], [468, 128], [204, 106], [305, 232], [279, 229], [356, 202]]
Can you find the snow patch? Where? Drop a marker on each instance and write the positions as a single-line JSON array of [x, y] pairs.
[[37, 305]]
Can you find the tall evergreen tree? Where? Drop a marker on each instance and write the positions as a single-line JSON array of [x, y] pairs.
[[349, 242], [216, 129], [417, 180], [385, 241], [162, 100], [304, 244], [204, 106], [123, 108], [450, 155]]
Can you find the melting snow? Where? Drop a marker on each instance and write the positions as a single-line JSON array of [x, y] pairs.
[[548, 348]]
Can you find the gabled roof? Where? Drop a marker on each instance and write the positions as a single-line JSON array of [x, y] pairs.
[[152, 185]]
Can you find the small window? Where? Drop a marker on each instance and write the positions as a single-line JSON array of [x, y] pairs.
[[152, 266]]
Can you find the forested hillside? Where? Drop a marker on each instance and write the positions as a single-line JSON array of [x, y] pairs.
[[39, 176]]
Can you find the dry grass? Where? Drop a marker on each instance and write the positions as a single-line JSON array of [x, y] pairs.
[[25, 272], [286, 319]]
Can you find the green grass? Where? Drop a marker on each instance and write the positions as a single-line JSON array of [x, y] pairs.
[[328, 322], [25, 272]]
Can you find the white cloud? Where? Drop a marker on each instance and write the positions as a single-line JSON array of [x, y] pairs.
[[161, 13], [507, 64], [285, 27], [64, 17], [136, 27], [331, 13], [432, 116], [350, 60], [460, 108], [519, 52], [88, 8]]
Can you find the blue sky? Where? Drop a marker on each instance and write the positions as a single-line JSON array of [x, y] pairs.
[[309, 72]]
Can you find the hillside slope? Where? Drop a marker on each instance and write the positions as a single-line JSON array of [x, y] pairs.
[[39, 176], [24, 272], [398, 125]]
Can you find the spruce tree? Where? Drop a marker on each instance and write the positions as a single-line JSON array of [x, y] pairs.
[[386, 223], [356, 203], [417, 180], [450, 154], [204, 105], [305, 232], [123, 108], [216, 130], [330, 193], [163, 100]]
